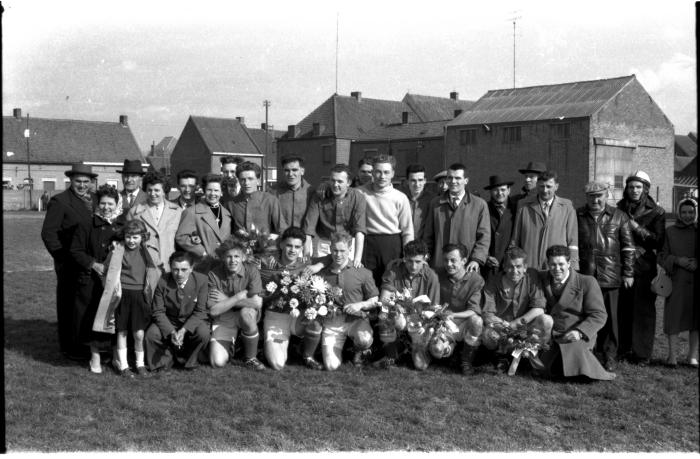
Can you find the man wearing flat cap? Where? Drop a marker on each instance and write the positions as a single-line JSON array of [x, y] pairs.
[[531, 172], [501, 214], [441, 181], [64, 214], [637, 310], [132, 173], [606, 252]]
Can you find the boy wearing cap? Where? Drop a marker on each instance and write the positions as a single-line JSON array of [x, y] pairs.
[[531, 172], [606, 252], [132, 173], [637, 311], [501, 214]]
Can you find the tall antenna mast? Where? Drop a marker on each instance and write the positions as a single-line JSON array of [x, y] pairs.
[[515, 16], [337, 21]]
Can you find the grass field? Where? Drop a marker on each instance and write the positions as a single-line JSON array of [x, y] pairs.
[[53, 404]]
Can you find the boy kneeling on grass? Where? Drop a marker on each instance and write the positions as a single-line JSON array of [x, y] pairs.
[[234, 304], [180, 327]]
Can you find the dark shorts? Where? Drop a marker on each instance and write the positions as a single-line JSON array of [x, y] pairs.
[[133, 313]]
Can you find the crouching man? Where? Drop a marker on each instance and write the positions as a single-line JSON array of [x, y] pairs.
[[576, 305], [413, 273], [359, 295], [461, 291], [280, 322], [515, 299], [180, 327], [234, 305]]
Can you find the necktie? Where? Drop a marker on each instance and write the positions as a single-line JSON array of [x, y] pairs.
[[180, 292], [130, 199], [455, 201], [545, 209]]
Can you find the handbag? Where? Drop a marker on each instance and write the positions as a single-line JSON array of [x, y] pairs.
[[661, 284]]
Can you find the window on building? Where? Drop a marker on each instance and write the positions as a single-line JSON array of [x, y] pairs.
[[561, 130], [619, 182], [512, 134], [112, 183], [48, 184], [467, 137], [370, 152], [327, 154]]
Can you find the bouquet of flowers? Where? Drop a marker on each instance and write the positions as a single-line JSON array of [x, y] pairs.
[[287, 293], [439, 331], [319, 298], [400, 306], [519, 342], [258, 243]]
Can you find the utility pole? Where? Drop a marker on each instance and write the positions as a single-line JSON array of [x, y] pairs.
[[29, 165], [337, 28], [266, 104]]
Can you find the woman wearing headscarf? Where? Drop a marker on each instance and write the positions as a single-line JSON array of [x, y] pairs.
[[679, 258], [89, 250]]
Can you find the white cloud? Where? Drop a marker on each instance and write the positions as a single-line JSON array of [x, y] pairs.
[[675, 73]]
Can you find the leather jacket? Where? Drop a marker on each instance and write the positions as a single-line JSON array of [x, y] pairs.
[[606, 248], [648, 237]]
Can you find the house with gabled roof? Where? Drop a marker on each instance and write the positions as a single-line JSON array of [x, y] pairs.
[[601, 130], [159, 156], [345, 129], [205, 140], [55, 144]]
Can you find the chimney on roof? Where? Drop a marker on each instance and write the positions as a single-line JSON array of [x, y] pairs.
[[454, 95], [263, 126], [317, 129], [124, 120], [153, 148], [458, 112], [17, 113], [357, 95], [291, 131], [404, 117], [241, 120]]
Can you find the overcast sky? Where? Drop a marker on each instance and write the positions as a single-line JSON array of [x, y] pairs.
[[159, 62]]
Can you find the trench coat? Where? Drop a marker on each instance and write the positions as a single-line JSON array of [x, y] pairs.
[[199, 220], [681, 311], [580, 307], [469, 224], [161, 243], [535, 233]]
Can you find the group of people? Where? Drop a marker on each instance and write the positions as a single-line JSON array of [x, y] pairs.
[[179, 280]]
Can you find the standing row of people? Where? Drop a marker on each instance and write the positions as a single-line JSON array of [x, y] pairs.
[[382, 220]]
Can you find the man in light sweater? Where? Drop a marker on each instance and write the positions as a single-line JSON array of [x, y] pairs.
[[389, 220]]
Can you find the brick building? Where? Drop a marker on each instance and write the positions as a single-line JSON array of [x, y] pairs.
[[159, 155], [345, 129], [55, 144], [205, 140], [588, 130], [685, 168]]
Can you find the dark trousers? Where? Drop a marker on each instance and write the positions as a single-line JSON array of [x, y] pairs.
[[69, 318], [379, 250], [160, 351], [607, 341], [637, 318]]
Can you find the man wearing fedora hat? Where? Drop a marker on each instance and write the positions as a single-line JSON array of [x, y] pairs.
[[132, 173], [64, 214], [531, 172], [637, 310], [606, 252], [501, 213]]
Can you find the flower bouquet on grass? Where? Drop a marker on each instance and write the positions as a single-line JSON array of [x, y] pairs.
[[319, 298], [434, 324], [286, 293], [520, 342], [401, 304]]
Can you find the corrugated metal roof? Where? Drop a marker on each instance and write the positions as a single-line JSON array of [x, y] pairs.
[[68, 141], [567, 100], [406, 131], [431, 108]]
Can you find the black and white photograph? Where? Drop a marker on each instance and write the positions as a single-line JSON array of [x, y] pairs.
[[332, 227]]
